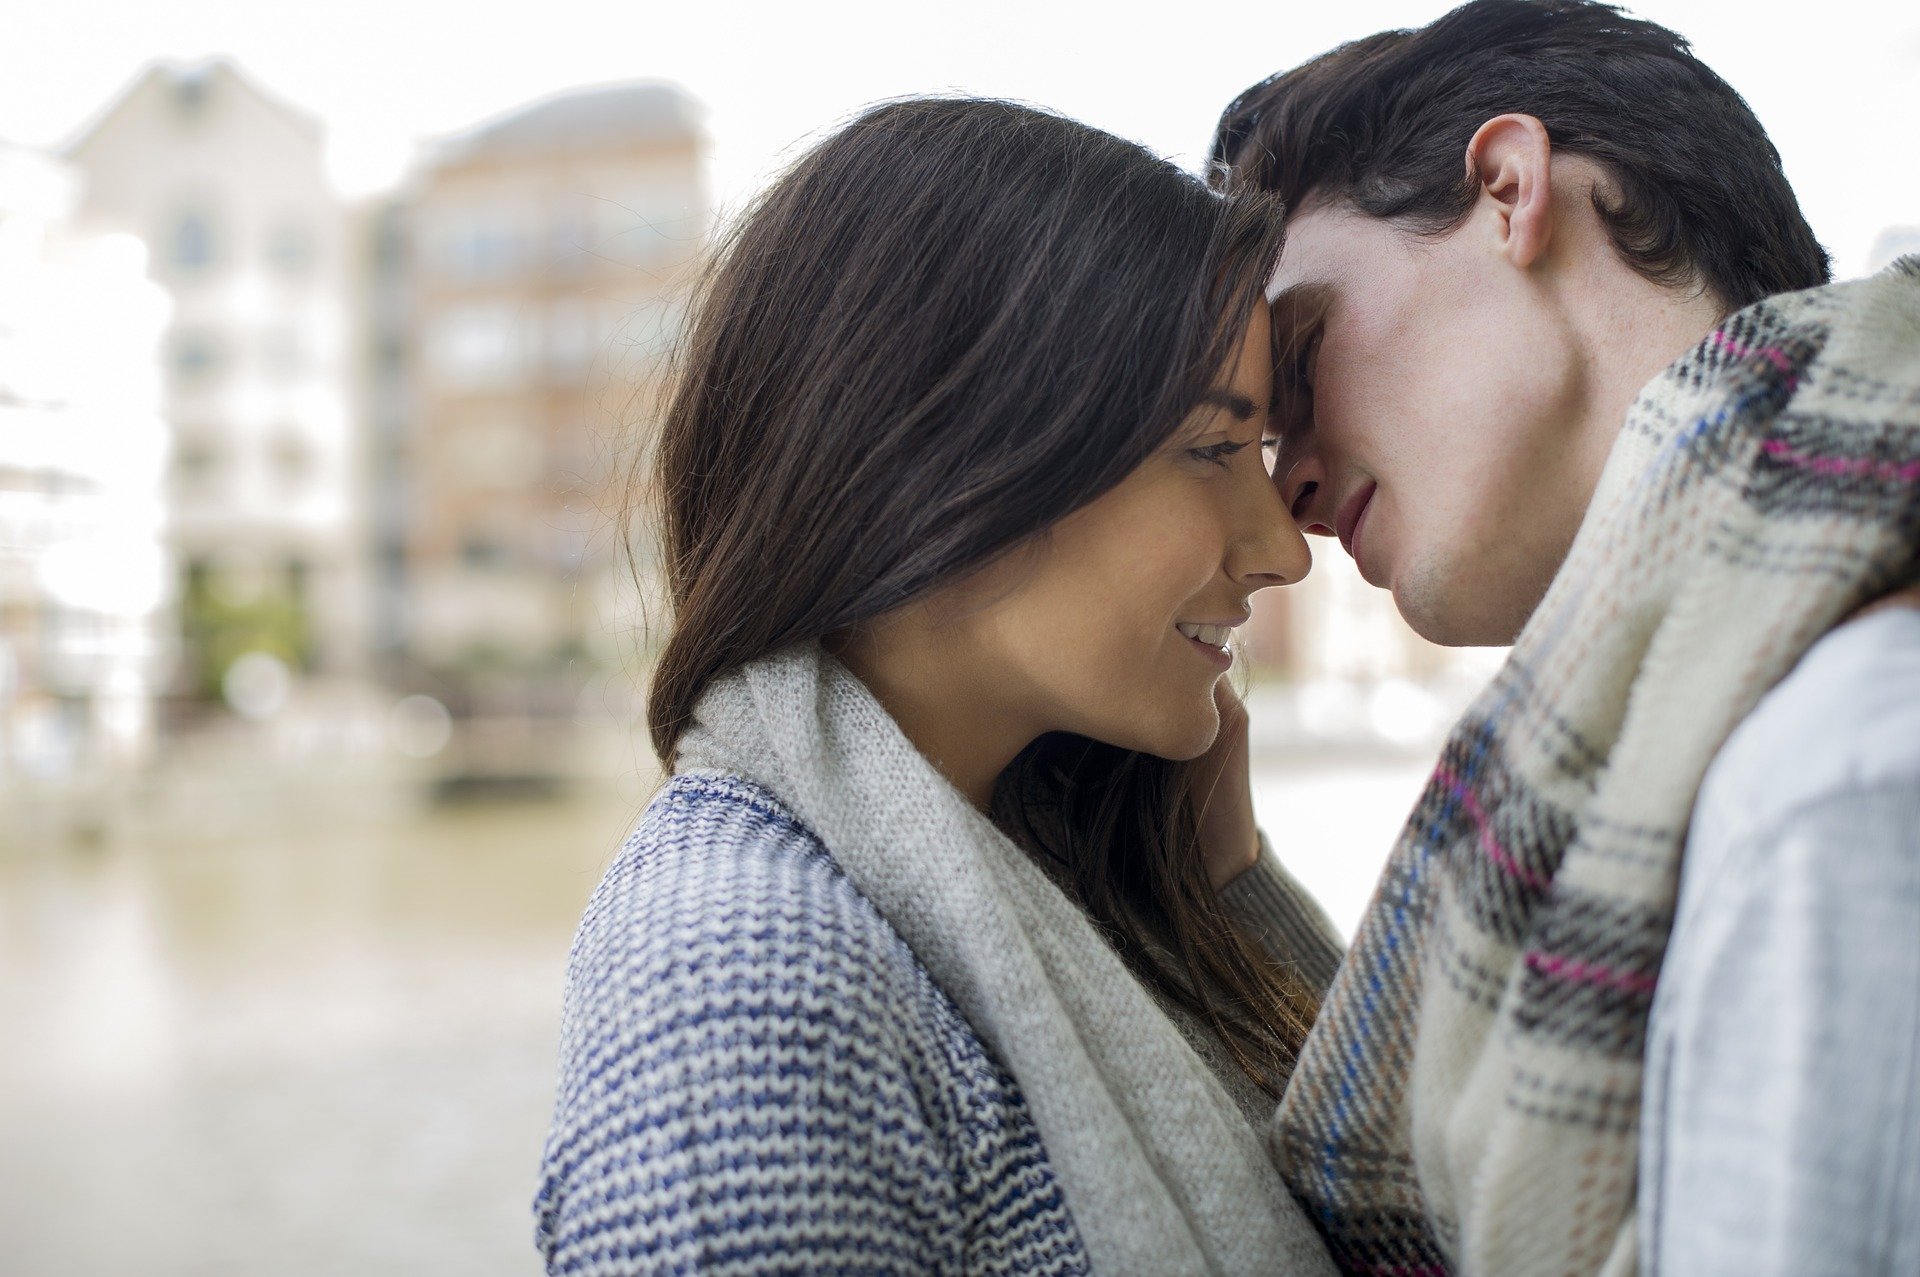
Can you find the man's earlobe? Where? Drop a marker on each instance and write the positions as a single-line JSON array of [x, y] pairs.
[[1510, 160]]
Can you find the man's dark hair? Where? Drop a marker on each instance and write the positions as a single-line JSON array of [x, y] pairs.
[[1382, 124]]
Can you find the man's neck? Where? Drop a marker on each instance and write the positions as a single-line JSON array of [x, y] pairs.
[[1648, 327]]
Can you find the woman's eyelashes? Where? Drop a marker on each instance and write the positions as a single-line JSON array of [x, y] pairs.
[[1216, 453]]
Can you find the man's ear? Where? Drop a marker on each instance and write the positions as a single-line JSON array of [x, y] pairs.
[[1509, 159]]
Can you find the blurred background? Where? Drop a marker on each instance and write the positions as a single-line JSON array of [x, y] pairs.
[[327, 337]]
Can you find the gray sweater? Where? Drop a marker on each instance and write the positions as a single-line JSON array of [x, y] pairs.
[[758, 1075], [1780, 1133]]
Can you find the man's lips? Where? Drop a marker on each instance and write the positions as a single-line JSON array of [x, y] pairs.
[[1347, 522]]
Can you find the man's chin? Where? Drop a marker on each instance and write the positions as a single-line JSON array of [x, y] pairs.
[[1456, 614]]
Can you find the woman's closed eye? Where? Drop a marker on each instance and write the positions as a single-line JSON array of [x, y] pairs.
[[1217, 453]]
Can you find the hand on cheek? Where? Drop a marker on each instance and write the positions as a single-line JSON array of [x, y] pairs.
[[1223, 793]]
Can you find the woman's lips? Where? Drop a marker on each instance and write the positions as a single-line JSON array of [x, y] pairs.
[[1220, 656], [1212, 639]]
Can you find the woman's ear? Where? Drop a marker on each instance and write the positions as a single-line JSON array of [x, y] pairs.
[[1509, 160]]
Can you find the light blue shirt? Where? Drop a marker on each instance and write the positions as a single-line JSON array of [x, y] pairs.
[[1781, 1127]]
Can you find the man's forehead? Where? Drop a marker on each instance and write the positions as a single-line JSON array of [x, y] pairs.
[[1320, 242]]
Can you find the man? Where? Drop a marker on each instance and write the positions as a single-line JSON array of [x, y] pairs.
[[1641, 984]]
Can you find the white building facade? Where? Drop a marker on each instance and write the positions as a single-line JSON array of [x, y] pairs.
[[85, 579], [227, 186]]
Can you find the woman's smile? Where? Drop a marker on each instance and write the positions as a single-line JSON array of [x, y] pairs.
[[1210, 640]]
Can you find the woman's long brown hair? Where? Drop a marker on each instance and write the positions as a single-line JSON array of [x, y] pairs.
[[945, 328]]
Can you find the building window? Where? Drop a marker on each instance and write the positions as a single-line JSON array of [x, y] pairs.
[[299, 577], [389, 354], [190, 242], [197, 464], [290, 248], [283, 353], [482, 550], [479, 246], [646, 223], [499, 454], [389, 243], [573, 337], [570, 239], [195, 356], [581, 455], [293, 460], [190, 95], [479, 345]]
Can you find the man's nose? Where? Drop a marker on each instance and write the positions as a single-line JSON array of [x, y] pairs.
[[1304, 486]]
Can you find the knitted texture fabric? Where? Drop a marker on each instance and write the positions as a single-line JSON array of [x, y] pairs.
[[1470, 1097], [1160, 1172], [757, 1076]]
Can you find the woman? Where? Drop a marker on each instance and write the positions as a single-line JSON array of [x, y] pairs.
[[917, 963]]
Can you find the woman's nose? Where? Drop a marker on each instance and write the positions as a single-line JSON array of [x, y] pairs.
[[1269, 549]]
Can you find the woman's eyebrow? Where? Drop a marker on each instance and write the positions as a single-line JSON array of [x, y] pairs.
[[1233, 401]]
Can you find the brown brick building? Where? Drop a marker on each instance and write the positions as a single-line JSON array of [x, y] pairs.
[[544, 259]]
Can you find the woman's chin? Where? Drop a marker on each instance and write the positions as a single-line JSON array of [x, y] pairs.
[[1177, 737], [1193, 747]]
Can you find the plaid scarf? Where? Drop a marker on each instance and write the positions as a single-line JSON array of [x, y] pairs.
[[1470, 1098]]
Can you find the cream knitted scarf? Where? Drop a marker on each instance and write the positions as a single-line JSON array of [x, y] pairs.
[[1160, 1170], [1470, 1098]]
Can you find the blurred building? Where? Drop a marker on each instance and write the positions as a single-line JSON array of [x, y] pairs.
[[1338, 670], [383, 301], [545, 256], [1335, 626], [84, 580], [227, 187]]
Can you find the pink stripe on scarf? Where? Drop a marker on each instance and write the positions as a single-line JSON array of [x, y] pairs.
[[1781, 451], [1488, 843], [1552, 964], [1772, 354]]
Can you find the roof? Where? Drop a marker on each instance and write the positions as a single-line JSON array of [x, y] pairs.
[[182, 76], [594, 118]]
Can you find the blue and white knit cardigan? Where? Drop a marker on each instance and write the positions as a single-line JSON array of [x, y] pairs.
[[758, 1076]]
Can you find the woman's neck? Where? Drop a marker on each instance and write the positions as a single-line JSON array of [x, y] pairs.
[[936, 698]]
